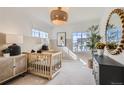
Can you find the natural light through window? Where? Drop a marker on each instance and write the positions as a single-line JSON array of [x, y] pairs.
[[39, 33], [80, 40]]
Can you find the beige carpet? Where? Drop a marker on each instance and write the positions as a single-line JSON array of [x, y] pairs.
[[72, 73], [84, 55]]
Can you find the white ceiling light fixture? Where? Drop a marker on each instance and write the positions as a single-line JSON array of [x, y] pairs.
[[58, 16]]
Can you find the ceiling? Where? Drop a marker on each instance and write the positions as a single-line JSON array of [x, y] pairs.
[[76, 14]]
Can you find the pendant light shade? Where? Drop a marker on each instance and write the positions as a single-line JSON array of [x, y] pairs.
[[59, 17]]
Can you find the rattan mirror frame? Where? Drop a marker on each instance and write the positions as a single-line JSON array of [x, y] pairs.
[[120, 47]]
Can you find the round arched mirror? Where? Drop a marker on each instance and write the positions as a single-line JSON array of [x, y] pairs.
[[115, 32]]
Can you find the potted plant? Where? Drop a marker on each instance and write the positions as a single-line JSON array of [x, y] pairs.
[[100, 48], [93, 39], [111, 46], [6, 52]]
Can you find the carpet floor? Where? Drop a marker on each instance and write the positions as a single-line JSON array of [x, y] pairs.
[[72, 73]]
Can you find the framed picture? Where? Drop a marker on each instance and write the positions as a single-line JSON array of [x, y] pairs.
[[61, 39]]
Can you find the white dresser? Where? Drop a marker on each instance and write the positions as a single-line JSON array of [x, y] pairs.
[[12, 66]]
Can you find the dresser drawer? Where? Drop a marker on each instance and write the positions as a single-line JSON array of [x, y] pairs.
[[96, 71]]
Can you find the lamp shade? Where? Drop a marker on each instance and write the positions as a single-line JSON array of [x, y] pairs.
[[13, 38], [58, 16], [58, 22]]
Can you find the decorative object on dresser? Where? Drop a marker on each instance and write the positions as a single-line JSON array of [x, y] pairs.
[[14, 40], [115, 32], [107, 71], [61, 39], [14, 50], [6, 52], [100, 48], [46, 64], [12, 66]]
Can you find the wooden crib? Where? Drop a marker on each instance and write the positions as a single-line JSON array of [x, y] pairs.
[[46, 64]]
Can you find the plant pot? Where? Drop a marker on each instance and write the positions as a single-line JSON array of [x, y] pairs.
[[6, 54], [100, 52], [90, 63]]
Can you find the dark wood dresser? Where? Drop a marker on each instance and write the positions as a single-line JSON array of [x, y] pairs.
[[107, 71]]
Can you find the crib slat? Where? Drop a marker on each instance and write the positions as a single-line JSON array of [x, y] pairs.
[[48, 65], [40, 71], [41, 66], [33, 67], [38, 68], [45, 64]]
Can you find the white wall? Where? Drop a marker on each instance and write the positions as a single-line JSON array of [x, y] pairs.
[[13, 21], [31, 43], [120, 57], [75, 27]]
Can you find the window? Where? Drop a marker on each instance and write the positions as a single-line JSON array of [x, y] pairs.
[[80, 40], [38, 33]]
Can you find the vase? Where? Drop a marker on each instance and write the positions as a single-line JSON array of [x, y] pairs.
[[100, 52]]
